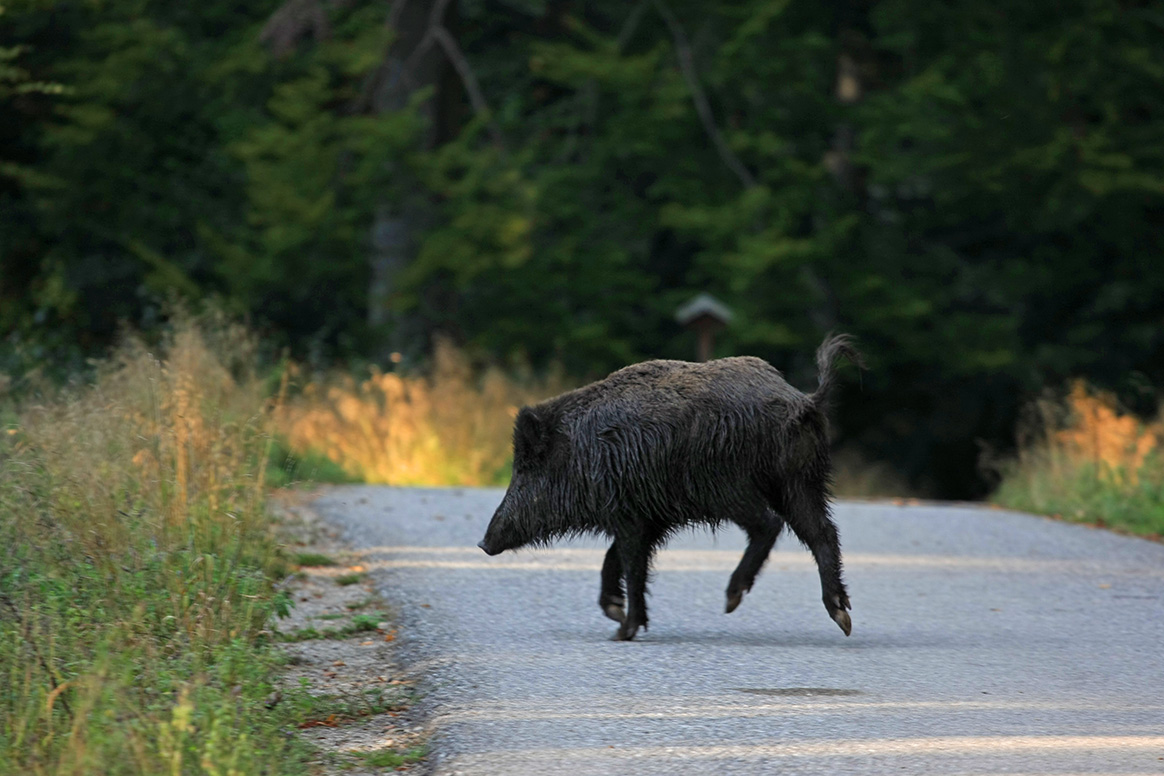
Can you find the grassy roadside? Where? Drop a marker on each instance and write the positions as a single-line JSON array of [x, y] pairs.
[[139, 568], [339, 641], [1083, 459]]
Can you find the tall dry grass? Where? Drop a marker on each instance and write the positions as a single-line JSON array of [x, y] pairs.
[[451, 426], [1083, 458], [138, 567]]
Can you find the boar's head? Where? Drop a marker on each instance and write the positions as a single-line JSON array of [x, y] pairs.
[[526, 515]]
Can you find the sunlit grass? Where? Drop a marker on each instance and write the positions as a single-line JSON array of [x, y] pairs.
[[137, 579], [450, 426], [1084, 459]]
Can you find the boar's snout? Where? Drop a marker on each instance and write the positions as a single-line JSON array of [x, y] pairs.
[[485, 546]]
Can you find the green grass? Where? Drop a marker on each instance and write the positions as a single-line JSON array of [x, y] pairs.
[[288, 467], [350, 579], [1087, 493], [1085, 460], [361, 623], [387, 758], [313, 559], [138, 572], [313, 708]]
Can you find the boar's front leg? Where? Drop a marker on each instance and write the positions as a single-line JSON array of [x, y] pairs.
[[611, 598], [635, 552]]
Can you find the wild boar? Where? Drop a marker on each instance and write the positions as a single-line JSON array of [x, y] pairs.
[[662, 445]]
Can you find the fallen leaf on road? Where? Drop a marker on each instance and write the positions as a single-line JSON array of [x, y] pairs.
[[329, 722]]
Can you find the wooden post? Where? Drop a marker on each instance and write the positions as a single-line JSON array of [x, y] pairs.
[[706, 346], [704, 315]]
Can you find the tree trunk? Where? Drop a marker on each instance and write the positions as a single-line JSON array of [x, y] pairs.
[[412, 63]]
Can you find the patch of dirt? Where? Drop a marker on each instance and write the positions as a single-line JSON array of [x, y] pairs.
[[340, 649]]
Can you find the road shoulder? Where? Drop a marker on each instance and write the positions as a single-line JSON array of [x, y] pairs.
[[339, 641]]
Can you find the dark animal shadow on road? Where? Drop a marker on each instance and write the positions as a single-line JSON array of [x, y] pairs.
[[775, 640], [728, 639]]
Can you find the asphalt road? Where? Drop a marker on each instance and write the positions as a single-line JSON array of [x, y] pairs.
[[983, 642]]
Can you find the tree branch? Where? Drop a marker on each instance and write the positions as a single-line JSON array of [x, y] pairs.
[[702, 107], [291, 21], [436, 33], [394, 14], [631, 25], [468, 78]]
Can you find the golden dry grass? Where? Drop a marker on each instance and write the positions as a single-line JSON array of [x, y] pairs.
[[451, 426], [1098, 433]]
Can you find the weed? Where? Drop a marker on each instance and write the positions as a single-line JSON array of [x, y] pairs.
[[389, 758], [366, 622], [325, 709], [360, 623], [309, 634], [313, 559], [349, 579]]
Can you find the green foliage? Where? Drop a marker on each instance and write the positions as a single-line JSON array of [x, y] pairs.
[[314, 178], [971, 188]]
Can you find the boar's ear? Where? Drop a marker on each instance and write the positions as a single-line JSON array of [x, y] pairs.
[[531, 434]]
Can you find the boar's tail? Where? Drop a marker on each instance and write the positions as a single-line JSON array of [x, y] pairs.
[[826, 355]]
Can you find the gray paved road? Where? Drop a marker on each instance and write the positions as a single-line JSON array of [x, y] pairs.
[[983, 642]]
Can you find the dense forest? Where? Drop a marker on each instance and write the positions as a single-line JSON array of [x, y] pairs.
[[973, 189]]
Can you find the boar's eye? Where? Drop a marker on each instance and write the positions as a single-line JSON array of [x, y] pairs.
[[531, 435]]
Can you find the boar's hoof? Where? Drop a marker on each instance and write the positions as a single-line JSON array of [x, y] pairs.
[[626, 632], [842, 618], [613, 609], [733, 600]]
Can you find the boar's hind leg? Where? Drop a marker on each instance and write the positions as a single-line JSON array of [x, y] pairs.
[[807, 513], [635, 551], [762, 529], [611, 598]]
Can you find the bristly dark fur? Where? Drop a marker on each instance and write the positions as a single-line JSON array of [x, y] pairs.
[[662, 445]]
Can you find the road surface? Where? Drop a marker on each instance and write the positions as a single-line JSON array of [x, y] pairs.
[[983, 642]]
